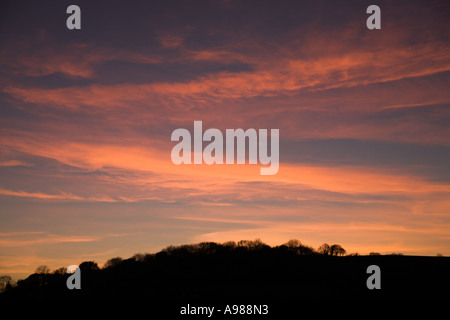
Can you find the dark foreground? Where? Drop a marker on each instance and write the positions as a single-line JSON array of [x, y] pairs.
[[214, 272]]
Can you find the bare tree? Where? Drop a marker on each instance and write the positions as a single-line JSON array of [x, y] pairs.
[[293, 243], [324, 249], [299, 248], [337, 250], [61, 270], [88, 266], [42, 269], [244, 243], [252, 244], [229, 244], [113, 262]]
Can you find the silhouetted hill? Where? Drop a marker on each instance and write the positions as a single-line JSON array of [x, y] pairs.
[[246, 270]]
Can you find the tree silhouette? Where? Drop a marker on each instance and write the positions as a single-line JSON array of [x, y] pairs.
[[229, 244], [333, 250], [324, 249], [5, 281], [61, 270], [252, 244], [337, 250], [42, 269], [248, 268], [89, 266], [297, 247], [113, 262], [139, 257], [293, 243]]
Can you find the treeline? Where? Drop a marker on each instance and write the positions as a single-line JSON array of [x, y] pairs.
[[248, 269], [293, 246]]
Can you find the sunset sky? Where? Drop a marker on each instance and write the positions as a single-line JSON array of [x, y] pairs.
[[86, 118]]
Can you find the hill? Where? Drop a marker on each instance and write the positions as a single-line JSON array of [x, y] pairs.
[[244, 271]]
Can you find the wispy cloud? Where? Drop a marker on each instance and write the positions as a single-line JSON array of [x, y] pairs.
[[37, 238], [37, 195], [14, 163], [285, 77]]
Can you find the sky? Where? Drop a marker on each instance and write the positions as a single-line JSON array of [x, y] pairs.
[[86, 118]]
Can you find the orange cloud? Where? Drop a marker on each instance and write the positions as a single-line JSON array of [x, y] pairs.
[[282, 77], [39, 195], [14, 163]]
